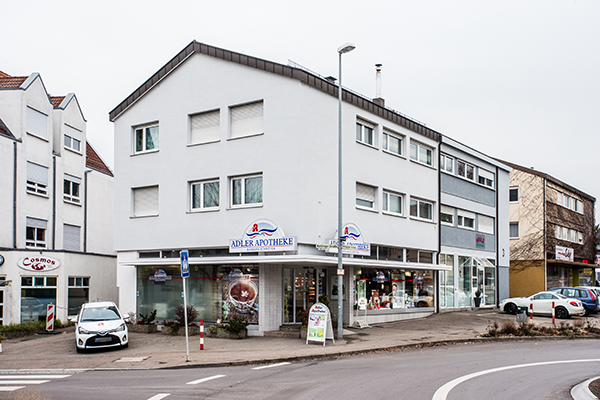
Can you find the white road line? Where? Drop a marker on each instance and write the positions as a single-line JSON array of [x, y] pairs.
[[210, 378], [442, 392], [159, 396], [10, 388], [32, 377], [272, 365], [24, 382]]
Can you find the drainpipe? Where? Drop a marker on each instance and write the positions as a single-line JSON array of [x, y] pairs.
[[544, 233], [85, 206], [53, 201], [15, 195], [498, 244], [439, 226]]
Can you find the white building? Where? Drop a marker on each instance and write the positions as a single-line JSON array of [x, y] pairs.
[[57, 205], [218, 148]]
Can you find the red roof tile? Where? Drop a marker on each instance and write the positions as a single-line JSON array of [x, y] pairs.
[[93, 160], [11, 82], [4, 130], [56, 100], [3, 74]]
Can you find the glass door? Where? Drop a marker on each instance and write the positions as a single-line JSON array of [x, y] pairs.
[[302, 287]]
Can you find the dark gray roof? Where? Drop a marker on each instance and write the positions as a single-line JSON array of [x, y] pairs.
[[305, 77]]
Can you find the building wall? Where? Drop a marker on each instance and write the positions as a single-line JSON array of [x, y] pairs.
[[100, 205], [529, 213], [526, 277]]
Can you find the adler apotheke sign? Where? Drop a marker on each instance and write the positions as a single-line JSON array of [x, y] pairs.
[[38, 263], [262, 235]]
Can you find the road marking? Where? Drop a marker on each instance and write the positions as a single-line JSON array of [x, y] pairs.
[[32, 377], [24, 382], [10, 388], [442, 392], [272, 365], [210, 378], [159, 396]]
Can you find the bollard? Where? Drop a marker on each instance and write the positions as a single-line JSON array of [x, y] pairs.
[[201, 334], [553, 321], [531, 313], [50, 317]]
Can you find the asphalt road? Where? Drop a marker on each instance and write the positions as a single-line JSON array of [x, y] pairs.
[[442, 372]]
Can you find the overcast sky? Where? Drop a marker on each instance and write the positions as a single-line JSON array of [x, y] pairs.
[[515, 79]]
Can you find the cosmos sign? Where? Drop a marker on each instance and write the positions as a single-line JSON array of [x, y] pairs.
[[262, 235], [38, 263]]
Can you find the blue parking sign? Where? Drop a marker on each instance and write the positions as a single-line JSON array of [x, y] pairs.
[[185, 268]]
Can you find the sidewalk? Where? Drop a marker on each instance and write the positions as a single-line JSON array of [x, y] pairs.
[[151, 351]]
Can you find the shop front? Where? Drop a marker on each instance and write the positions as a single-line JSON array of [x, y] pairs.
[[466, 277]]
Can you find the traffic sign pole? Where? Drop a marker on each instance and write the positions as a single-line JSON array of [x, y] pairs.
[[185, 273]]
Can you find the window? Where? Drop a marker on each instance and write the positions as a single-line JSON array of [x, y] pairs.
[[246, 120], [36, 293], [513, 230], [246, 190], [579, 237], [365, 195], [573, 236], [73, 138], [71, 237], [513, 194], [465, 170], [71, 189], [447, 215], [145, 201], [146, 138], [466, 219], [392, 203], [37, 123], [579, 207], [486, 224], [79, 293], [364, 132], [37, 179], [392, 142], [205, 127], [566, 201], [421, 153], [565, 234], [35, 232], [447, 164], [558, 232], [419, 256], [486, 177], [421, 209], [205, 195]]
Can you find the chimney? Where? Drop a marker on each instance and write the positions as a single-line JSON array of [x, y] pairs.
[[378, 100]]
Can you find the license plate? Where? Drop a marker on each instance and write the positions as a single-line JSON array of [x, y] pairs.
[[103, 339]]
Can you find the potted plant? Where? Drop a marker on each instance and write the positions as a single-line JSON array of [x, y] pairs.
[[174, 327], [233, 328], [144, 325], [477, 298]]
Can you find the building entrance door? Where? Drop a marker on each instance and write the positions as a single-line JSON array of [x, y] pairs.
[[302, 287]]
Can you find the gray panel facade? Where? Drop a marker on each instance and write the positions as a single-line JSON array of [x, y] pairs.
[[467, 190], [467, 239]]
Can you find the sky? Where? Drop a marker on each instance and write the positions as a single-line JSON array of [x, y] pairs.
[[515, 79]]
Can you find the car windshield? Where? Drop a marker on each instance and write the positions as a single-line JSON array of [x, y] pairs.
[[100, 314], [560, 296]]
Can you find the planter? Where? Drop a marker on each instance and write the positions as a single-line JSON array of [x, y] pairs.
[[180, 331], [477, 301], [222, 333], [303, 333], [142, 328]]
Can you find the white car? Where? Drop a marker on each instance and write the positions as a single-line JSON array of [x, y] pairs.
[[564, 307], [100, 324]]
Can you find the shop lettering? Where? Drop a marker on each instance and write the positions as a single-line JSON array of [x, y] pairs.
[[263, 242], [38, 263]]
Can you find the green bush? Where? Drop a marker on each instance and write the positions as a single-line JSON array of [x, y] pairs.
[[148, 319], [24, 327], [192, 314], [236, 324]]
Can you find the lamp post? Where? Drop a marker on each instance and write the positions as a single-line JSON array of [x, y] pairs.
[[346, 48]]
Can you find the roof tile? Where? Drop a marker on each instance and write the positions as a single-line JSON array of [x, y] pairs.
[[11, 82], [56, 100], [93, 160]]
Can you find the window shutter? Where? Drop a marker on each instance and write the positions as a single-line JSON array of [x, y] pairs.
[[145, 201], [37, 173], [447, 210], [486, 224], [74, 133], [467, 214], [37, 123], [36, 223], [246, 120], [73, 179], [71, 235], [365, 192], [205, 127], [486, 174]]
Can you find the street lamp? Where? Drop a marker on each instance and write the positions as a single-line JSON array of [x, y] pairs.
[[346, 48]]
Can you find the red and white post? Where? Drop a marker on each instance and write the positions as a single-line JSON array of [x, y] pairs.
[[201, 334], [50, 317], [531, 313], [553, 314]]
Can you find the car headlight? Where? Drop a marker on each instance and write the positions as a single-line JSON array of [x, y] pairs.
[[121, 328], [83, 331]]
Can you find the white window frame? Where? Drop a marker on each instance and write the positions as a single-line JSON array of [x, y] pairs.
[[73, 182], [202, 184], [136, 201], [486, 176], [510, 224], [509, 190], [366, 194], [418, 203], [579, 237], [385, 145], [36, 226], [242, 179], [362, 127], [145, 130], [463, 216], [565, 233], [416, 153], [559, 232], [71, 227], [446, 210], [446, 160], [35, 121], [70, 140], [467, 167], [385, 202], [573, 233], [35, 185]]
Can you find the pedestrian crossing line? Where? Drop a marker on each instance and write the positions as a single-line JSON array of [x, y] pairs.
[[24, 382], [10, 388], [210, 378], [272, 365], [10, 383], [32, 377], [159, 396]]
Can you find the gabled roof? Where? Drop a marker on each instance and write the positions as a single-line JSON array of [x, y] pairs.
[[11, 82], [56, 100], [3, 74], [4, 131], [93, 160], [304, 76]]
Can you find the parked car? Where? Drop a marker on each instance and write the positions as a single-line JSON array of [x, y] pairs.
[[588, 297], [542, 304], [100, 324], [32, 309]]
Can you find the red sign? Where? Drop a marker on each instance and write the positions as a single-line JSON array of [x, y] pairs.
[[38, 263]]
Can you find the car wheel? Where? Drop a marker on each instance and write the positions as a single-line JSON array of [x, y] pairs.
[[124, 346], [586, 312], [79, 350], [510, 308], [561, 313]]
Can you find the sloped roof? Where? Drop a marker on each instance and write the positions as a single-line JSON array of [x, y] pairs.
[[56, 100], [93, 160], [3, 74], [304, 76], [4, 131], [12, 82]]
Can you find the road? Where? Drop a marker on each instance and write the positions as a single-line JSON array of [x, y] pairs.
[[509, 370]]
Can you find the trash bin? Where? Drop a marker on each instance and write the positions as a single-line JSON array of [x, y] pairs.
[[521, 314]]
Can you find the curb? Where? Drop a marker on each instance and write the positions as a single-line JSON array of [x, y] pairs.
[[581, 391]]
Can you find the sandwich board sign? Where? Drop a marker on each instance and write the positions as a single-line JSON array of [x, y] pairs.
[[319, 324]]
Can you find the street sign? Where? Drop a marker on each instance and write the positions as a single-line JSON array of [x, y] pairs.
[[185, 268], [340, 271]]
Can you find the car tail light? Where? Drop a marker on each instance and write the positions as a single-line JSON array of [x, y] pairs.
[[592, 294], [574, 303]]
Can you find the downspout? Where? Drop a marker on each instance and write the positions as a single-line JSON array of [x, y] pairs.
[[15, 195], [53, 201], [439, 226], [497, 243], [545, 239], [85, 206]]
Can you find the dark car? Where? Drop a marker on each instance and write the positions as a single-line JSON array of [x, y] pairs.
[[588, 297]]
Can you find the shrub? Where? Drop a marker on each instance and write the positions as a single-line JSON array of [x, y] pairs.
[[236, 324], [302, 316], [325, 300], [192, 314], [24, 326], [148, 319], [508, 328]]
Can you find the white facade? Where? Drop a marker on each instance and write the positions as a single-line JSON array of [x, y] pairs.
[[45, 178]]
